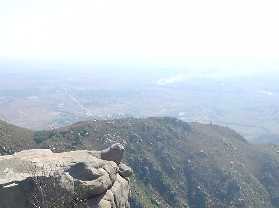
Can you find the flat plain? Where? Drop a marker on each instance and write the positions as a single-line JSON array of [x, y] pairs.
[[46, 99]]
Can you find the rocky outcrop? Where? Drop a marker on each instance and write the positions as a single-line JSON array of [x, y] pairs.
[[41, 178]]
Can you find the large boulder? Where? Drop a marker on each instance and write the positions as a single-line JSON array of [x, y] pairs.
[[41, 178]]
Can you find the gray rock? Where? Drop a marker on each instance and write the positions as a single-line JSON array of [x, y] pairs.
[[114, 153], [117, 196], [41, 178], [124, 170]]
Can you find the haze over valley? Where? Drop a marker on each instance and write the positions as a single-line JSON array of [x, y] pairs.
[[67, 94]]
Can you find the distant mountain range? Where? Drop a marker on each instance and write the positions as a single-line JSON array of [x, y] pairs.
[[267, 138], [176, 164]]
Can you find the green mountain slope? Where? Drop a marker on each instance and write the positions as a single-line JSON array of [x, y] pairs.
[[14, 138], [179, 164]]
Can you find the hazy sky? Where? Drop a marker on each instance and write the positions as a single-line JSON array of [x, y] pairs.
[[226, 35]]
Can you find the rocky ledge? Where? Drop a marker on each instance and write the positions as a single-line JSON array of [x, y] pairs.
[[41, 178]]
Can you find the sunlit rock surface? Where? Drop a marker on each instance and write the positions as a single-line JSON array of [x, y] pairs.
[[41, 178]]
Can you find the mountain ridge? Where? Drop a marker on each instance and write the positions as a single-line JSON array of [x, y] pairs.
[[178, 164]]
